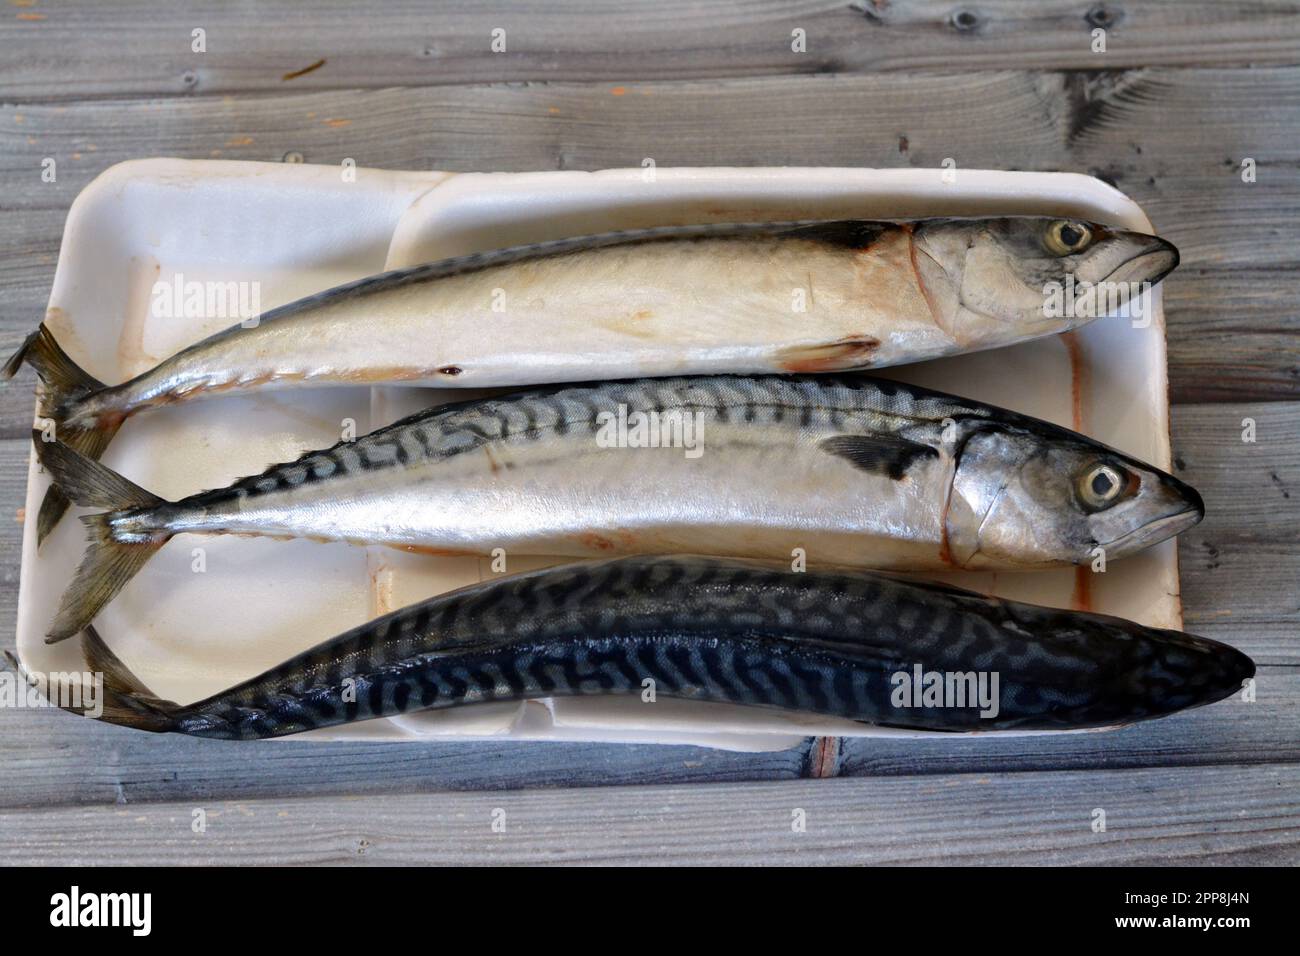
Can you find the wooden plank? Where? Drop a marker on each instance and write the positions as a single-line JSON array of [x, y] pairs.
[[1131, 126], [55, 759], [1204, 815], [29, 251], [1240, 567], [68, 50], [1232, 334], [13, 493]]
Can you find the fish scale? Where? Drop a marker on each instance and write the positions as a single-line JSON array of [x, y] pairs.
[[682, 623]]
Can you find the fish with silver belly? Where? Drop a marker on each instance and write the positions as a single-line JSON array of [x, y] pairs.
[[838, 644], [681, 300], [857, 472]]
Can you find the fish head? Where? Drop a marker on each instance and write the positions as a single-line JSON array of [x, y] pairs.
[[998, 281], [1134, 672], [1032, 494], [1190, 671]]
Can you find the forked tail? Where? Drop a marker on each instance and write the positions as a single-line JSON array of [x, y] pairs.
[[63, 384], [121, 699], [110, 561]]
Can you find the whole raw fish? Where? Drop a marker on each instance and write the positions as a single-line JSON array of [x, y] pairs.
[[866, 647], [853, 471], [684, 300]]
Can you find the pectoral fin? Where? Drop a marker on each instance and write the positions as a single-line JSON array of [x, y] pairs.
[[878, 455]]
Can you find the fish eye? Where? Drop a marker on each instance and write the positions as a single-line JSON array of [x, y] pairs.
[[1065, 237], [1100, 485]]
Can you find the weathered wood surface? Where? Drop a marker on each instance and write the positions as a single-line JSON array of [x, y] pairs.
[[1210, 815], [1172, 139], [59, 51], [1184, 93], [1240, 567]]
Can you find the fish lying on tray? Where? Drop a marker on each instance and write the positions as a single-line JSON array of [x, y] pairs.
[[682, 300], [856, 471], [862, 646]]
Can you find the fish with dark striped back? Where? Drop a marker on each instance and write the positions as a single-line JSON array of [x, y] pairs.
[[677, 300], [853, 471], [866, 647]]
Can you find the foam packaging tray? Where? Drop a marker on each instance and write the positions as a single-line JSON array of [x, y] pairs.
[[297, 229]]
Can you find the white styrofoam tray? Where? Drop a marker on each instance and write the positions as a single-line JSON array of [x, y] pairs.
[[298, 229]]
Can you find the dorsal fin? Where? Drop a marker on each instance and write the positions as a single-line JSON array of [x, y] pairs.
[[851, 233]]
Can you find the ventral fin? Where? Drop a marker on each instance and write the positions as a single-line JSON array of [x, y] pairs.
[[878, 455]]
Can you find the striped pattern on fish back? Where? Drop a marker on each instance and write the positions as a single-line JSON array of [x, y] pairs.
[[712, 629], [852, 404]]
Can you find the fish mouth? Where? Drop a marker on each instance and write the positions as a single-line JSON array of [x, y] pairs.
[[1147, 260], [1235, 668], [1158, 529], [1183, 506], [1221, 672], [1151, 262]]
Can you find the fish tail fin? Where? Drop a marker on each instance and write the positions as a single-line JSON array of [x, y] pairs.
[[63, 383], [86, 481], [108, 563], [121, 699], [105, 569], [88, 442], [126, 700]]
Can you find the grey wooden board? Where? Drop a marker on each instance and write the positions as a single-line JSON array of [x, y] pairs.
[[1231, 305], [1240, 567], [71, 51], [1165, 816], [1184, 93]]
